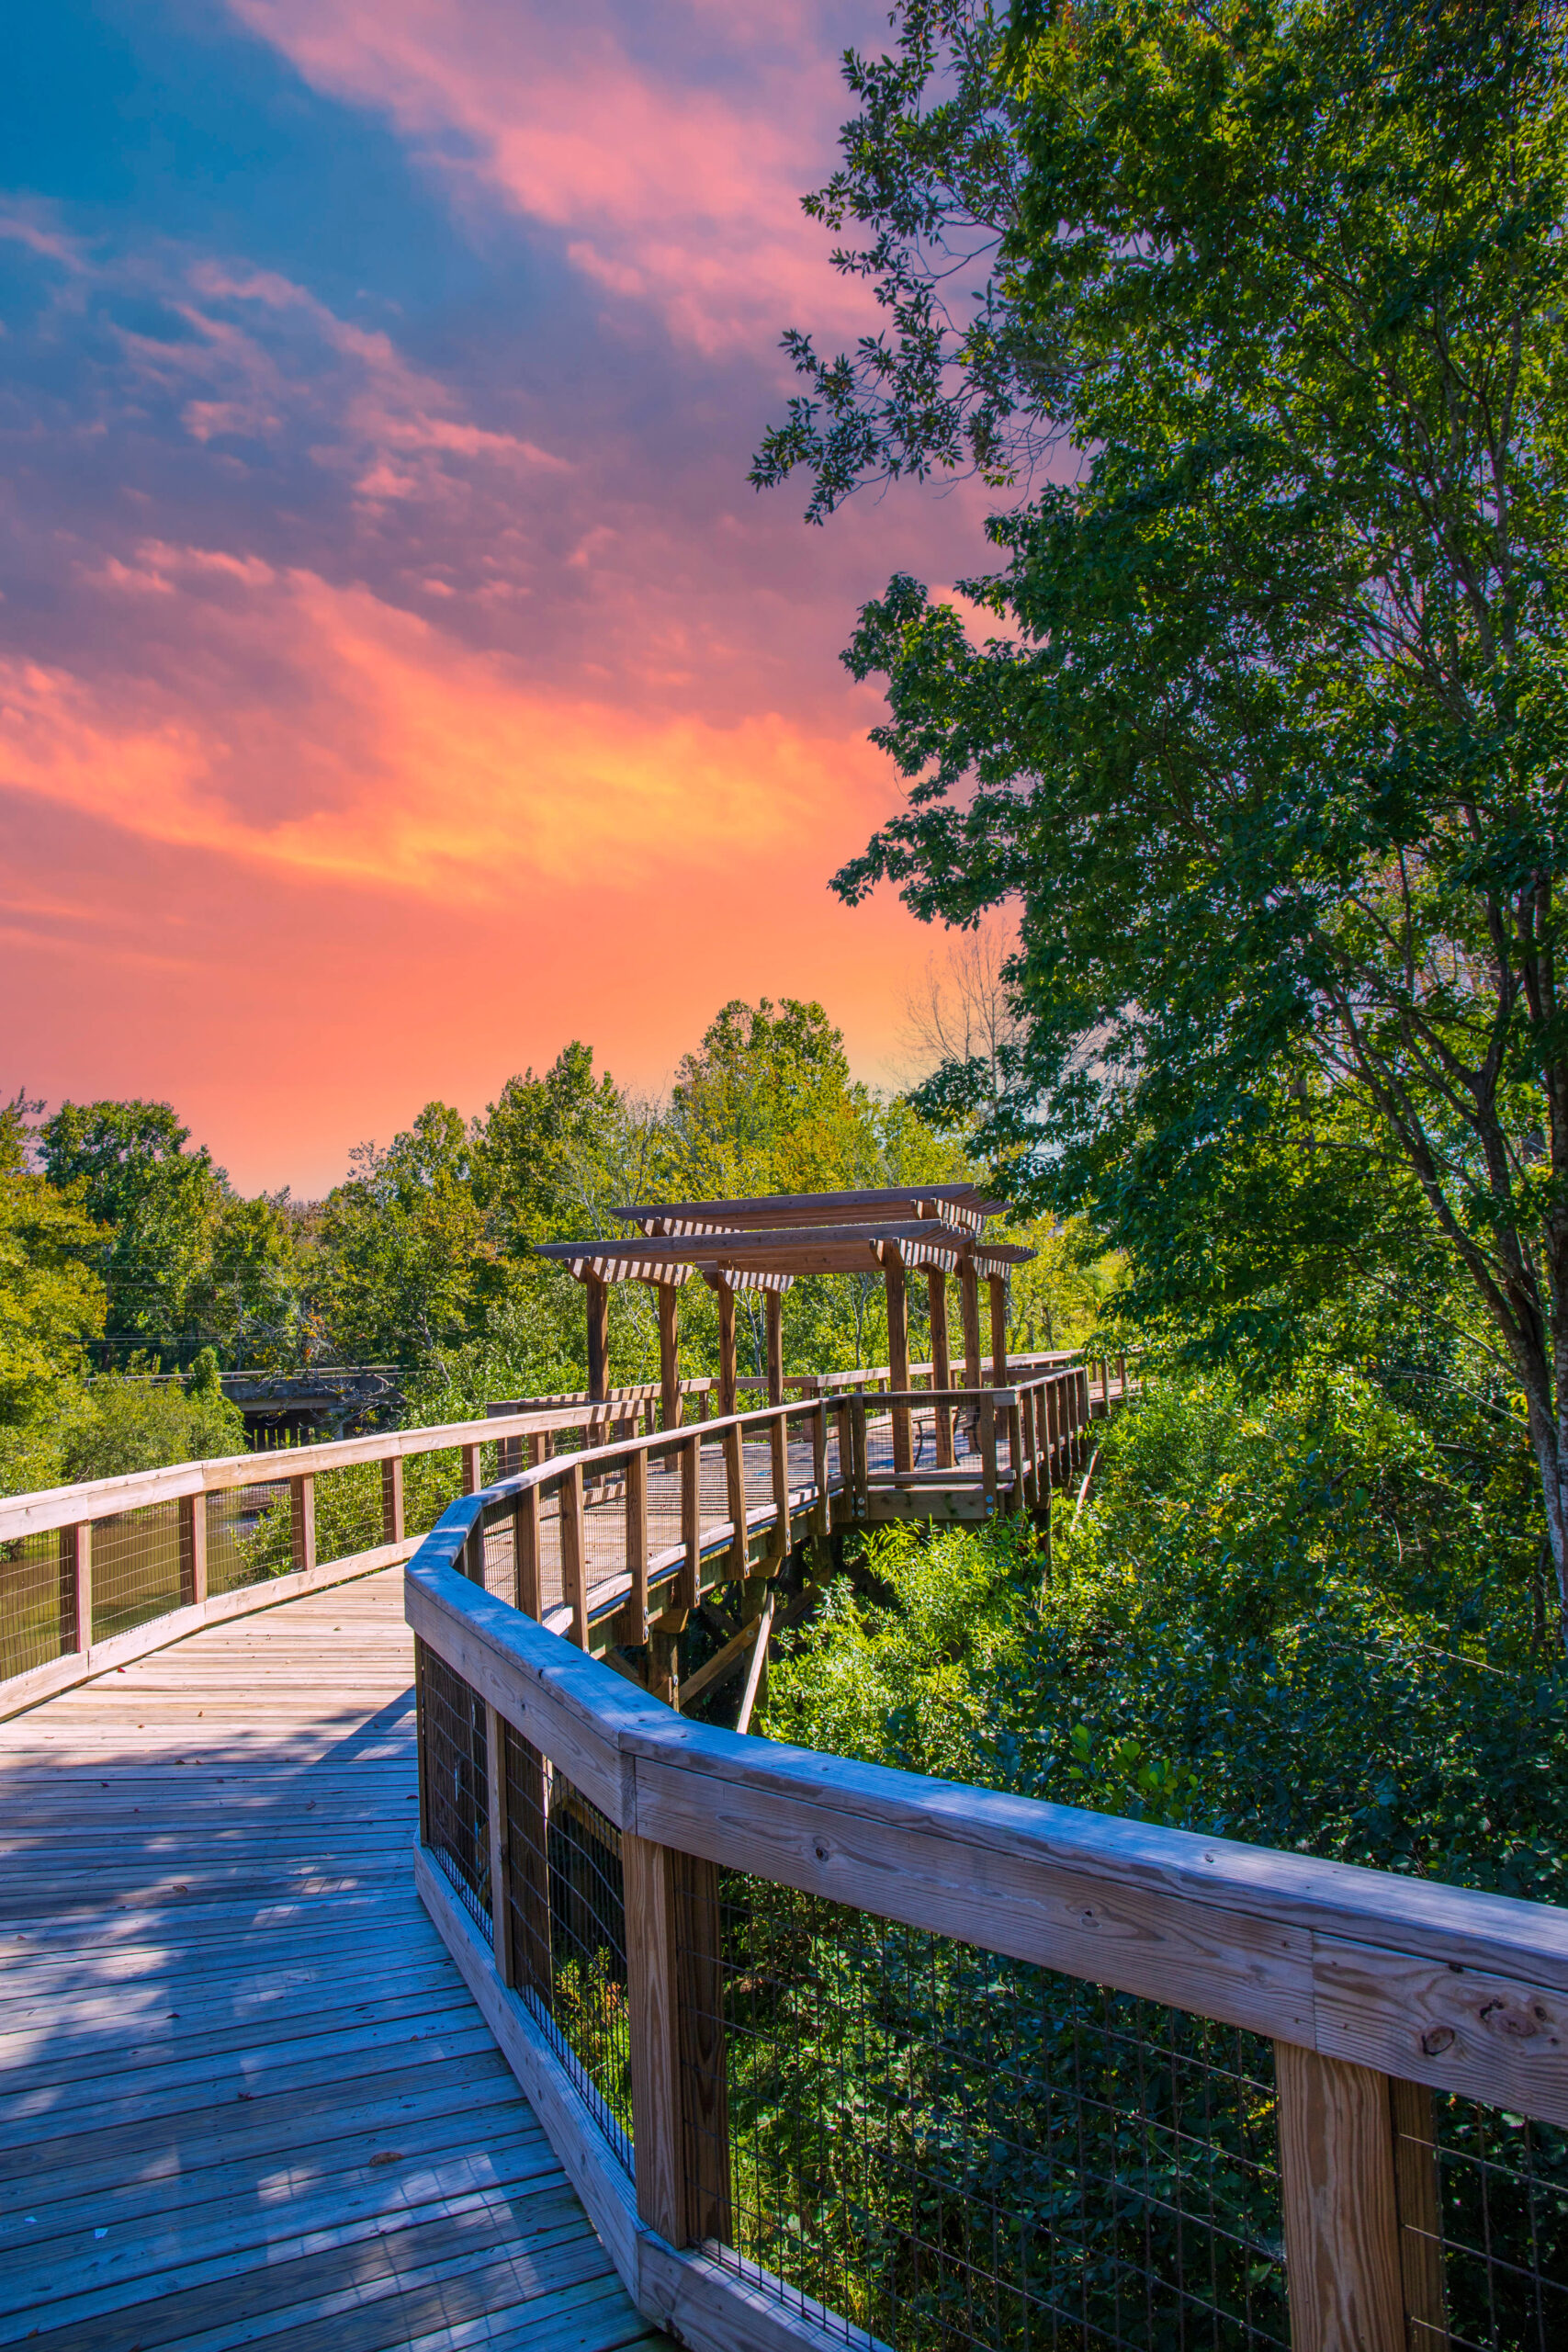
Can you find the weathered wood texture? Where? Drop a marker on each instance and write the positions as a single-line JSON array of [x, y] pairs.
[[247, 2097], [1336, 2174]]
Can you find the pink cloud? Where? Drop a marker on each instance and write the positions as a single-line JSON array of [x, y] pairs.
[[685, 195], [318, 729]]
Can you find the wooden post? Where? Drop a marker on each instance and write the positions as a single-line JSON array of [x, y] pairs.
[[393, 1524], [499, 1855], [664, 1656], [1016, 1488], [858, 1453], [474, 1552], [574, 1554], [999, 1290], [898, 1360], [670, 1354], [942, 1366], [779, 1448], [302, 1521], [525, 1551], [653, 2026], [75, 1605], [634, 1610], [773, 1309], [193, 1551], [472, 1478], [988, 1447], [726, 1345], [735, 1490], [598, 1300], [1121, 1376], [969, 1313], [690, 1587], [1337, 2183], [1418, 2194]]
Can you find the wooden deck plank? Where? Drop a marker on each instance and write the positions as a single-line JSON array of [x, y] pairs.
[[247, 2097]]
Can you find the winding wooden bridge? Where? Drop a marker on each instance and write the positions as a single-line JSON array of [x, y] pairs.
[[663, 2026]]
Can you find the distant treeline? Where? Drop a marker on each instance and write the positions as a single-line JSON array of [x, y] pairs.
[[125, 1250]]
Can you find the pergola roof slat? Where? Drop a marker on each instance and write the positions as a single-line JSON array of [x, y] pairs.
[[954, 1203]]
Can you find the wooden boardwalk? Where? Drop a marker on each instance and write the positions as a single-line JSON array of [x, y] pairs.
[[244, 2096]]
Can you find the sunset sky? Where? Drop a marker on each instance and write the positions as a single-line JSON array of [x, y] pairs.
[[398, 674]]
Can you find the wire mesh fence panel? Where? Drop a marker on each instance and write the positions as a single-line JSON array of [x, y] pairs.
[[1483, 2209], [431, 1481], [455, 1781], [569, 1930], [136, 1568], [38, 1615], [951, 2150]]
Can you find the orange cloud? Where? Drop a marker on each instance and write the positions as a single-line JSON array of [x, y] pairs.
[[324, 733]]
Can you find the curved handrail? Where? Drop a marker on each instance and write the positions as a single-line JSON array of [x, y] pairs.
[[1365, 1980]]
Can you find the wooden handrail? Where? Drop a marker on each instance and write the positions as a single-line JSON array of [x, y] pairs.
[[1374, 1987]]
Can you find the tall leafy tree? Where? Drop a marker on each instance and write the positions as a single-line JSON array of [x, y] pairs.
[[403, 1264], [51, 1300], [1273, 751], [557, 1154], [158, 1202]]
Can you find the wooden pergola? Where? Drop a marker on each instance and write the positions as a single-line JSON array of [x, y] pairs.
[[767, 1244]]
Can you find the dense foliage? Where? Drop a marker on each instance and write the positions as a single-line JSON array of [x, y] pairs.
[[1308, 1617], [1270, 751]]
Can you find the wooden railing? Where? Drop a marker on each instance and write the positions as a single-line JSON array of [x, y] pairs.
[[1375, 1993], [96, 1574]]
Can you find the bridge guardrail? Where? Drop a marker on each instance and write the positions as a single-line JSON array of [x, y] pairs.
[[836, 2054], [96, 1574]]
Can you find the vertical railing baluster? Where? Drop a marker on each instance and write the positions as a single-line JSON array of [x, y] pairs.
[[393, 1525], [1341, 2212], [302, 1521], [73, 1550], [193, 1551], [525, 1551], [634, 1615], [574, 1552], [500, 1846]]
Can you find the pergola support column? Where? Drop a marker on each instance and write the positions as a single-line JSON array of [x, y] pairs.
[[727, 1375], [998, 1287], [969, 1310], [670, 1354], [942, 1369], [898, 1359], [598, 1297], [772, 1309]]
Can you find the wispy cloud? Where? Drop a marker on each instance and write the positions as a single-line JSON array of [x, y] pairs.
[[674, 184]]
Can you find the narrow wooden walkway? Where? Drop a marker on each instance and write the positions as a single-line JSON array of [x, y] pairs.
[[244, 2096]]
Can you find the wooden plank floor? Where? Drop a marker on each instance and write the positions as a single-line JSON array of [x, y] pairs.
[[244, 2097]]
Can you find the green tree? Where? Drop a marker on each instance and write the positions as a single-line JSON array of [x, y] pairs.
[[51, 1299], [1273, 754], [403, 1264], [555, 1156], [157, 1203]]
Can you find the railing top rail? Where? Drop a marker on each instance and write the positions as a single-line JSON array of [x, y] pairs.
[[1462, 1990], [47, 1508], [51, 1507]]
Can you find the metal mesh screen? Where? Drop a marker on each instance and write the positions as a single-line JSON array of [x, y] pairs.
[[569, 1928], [247, 1535], [455, 1781], [951, 2149], [1483, 2213], [136, 1568], [37, 1600]]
